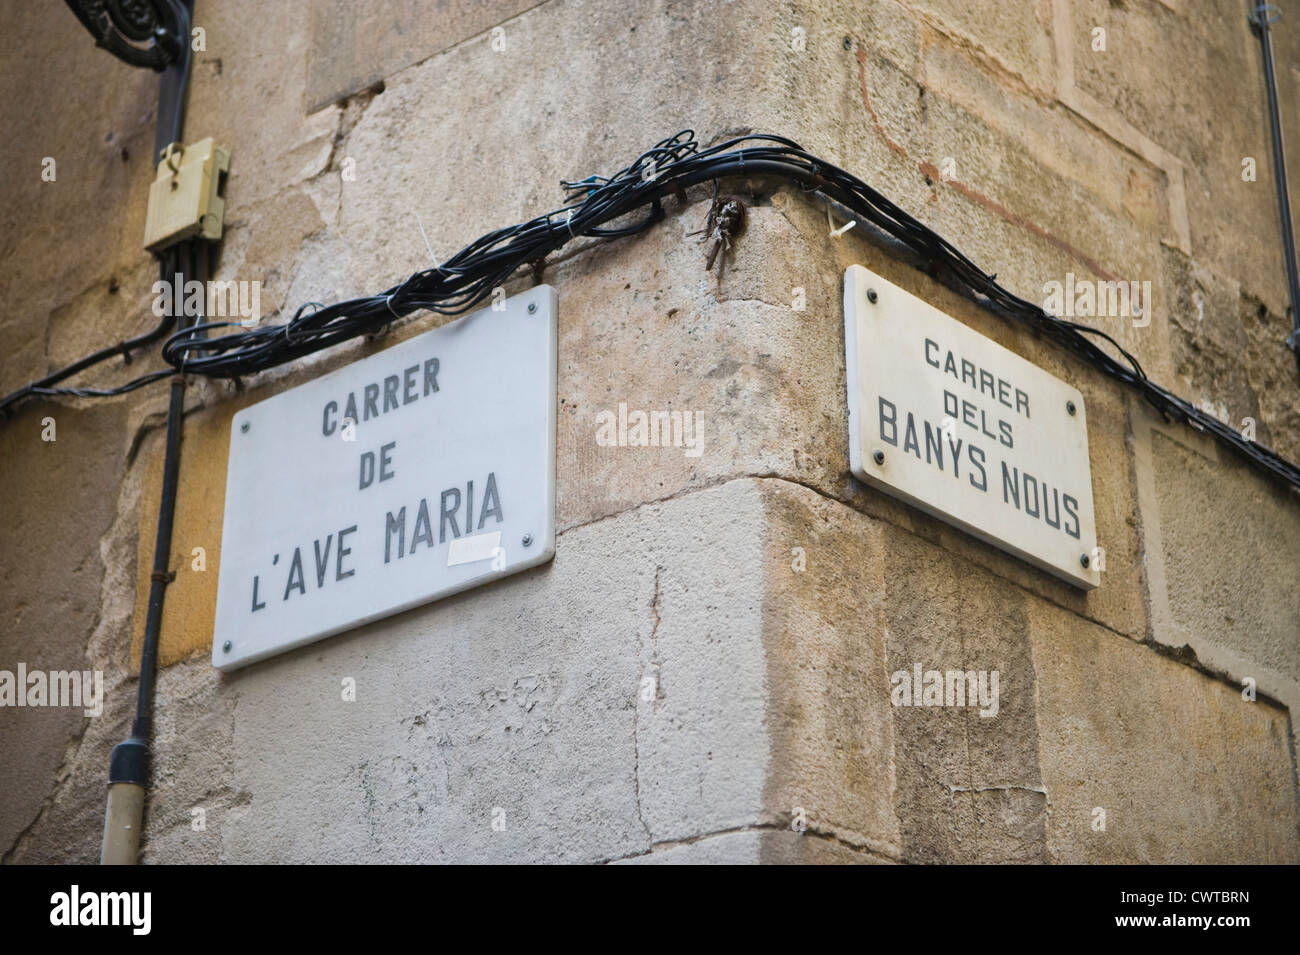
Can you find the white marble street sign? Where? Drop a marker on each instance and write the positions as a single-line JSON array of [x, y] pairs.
[[959, 426], [415, 473]]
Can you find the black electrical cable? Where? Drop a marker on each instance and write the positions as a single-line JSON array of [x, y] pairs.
[[168, 32], [129, 761], [45, 386], [602, 211]]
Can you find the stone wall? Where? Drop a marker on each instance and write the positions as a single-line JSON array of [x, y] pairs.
[[766, 593]]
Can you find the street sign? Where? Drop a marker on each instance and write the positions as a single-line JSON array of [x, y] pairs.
[[959, 426], [410, 475]]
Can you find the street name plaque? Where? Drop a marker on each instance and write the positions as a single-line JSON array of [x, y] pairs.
[[953, 423], [412, 474]]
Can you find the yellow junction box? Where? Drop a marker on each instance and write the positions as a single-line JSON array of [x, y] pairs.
[[187, 197]]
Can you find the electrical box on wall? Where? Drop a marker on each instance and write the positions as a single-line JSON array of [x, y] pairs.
[[187, 198]]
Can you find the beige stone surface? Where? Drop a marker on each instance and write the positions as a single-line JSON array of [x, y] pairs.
[[60, 238], [774, 691], [51, 568], [1180, 100], [1162, 749], [1236, 616], [354, 46], [749, 846], [190, 602], [833, 736], [969, 786]]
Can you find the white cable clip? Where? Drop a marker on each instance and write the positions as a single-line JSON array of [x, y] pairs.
[[836, 233], [436, 264]]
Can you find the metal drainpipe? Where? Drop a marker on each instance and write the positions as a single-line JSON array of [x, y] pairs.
[[1261, 18], [128, 773]]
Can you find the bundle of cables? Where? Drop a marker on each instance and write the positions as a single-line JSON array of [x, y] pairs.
[[599, 207]]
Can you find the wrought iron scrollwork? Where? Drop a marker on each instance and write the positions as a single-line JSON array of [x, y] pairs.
[[149, 33]]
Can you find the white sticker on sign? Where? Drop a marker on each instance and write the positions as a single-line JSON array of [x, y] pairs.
[[953, 423], [413, 474], [466, 550]]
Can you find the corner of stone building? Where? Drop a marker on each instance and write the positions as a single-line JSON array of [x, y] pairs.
[[703, 674]]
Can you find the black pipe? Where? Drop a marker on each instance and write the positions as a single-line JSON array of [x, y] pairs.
[[174, 88], [1261, 18], [129, 762]]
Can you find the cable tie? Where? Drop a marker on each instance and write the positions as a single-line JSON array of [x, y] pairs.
[[436, 263]]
